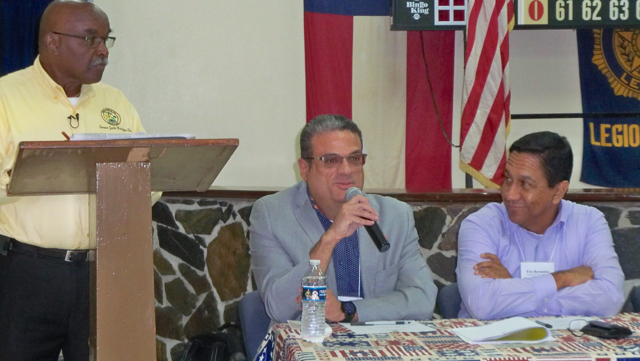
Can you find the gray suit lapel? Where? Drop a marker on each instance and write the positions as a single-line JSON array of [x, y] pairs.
[[309, 222], [307, 217]]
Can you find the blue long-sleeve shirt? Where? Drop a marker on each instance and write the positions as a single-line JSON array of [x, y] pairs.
[[579, 236]]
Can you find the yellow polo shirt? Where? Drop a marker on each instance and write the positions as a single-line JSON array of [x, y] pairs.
[[34, 108]]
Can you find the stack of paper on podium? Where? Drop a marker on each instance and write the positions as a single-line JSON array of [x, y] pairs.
[[112, 136], [510, 330]]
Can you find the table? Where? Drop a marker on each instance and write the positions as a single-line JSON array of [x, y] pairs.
[[281, 344]]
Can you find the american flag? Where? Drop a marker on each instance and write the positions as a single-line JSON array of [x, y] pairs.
[[486, 91]]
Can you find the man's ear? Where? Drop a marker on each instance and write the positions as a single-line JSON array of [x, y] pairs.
[[560, 190], [304, 168], [52, 43]]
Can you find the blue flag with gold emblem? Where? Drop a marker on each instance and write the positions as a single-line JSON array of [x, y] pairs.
[[610, 83]]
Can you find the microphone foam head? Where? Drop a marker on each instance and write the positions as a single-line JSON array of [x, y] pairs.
[[352, 192]]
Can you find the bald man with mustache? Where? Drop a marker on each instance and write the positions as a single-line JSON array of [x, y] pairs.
[[44, 240]]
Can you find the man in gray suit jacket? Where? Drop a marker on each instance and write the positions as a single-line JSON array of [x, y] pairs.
[[312, 220]]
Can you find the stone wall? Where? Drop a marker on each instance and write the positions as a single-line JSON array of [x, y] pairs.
[[201, 256]]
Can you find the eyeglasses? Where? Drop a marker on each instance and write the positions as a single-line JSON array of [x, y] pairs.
[[92, 41], [575, 327], [334, 160]]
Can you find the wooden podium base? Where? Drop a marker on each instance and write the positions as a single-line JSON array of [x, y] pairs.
[[123, 310]]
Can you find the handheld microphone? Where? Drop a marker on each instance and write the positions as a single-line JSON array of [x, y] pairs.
[[374, 231]]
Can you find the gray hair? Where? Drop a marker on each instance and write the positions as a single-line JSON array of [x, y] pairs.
[[322, 124]]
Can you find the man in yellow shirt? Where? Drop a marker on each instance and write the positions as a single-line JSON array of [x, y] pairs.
[[44, 240]]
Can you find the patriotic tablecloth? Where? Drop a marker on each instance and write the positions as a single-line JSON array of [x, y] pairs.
[[282, 344]]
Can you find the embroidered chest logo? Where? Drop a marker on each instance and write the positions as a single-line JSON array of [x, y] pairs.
[[110, 116], [616, 52]]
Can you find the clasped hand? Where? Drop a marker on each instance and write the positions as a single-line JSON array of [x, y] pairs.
[[353, 214], [492, 268], [573, 276]]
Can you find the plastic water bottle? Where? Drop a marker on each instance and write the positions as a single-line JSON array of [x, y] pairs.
[[314, 296]]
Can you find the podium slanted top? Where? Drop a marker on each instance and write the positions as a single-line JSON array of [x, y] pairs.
[[68, 167]]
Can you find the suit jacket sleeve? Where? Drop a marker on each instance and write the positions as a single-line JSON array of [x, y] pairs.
[[405, 289], [277, 276]]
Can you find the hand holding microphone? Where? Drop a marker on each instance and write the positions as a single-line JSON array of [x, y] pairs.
[[374, 231]]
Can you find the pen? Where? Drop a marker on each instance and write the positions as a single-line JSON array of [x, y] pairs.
[[66, 136], [544, 324], [379, 323]]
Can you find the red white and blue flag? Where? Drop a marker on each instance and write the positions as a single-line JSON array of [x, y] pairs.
[[357, 67], [486, 93]]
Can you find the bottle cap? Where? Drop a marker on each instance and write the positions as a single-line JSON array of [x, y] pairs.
[[314, 262]]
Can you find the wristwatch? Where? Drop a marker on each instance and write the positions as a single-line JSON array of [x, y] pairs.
[[349, 310]]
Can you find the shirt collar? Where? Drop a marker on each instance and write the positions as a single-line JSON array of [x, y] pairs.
[[562, 215], [315, 206], [54, 89], [561, 218]]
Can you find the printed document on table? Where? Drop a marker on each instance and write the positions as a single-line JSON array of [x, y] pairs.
[[510, 330], [387, 327]]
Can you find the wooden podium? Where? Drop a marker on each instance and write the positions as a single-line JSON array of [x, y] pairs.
[[119, 176]]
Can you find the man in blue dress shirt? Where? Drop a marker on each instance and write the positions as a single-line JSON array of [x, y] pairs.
[[536, 254]]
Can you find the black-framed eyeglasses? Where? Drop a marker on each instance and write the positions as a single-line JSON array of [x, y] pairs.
[[92, 41], [334, 160]]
